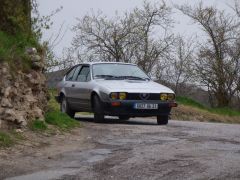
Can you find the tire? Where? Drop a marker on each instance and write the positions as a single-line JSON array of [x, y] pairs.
[[162, 120], [97, 110], [64, 107], [125, 118]]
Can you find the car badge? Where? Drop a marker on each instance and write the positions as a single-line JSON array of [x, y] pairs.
[[144, 96]]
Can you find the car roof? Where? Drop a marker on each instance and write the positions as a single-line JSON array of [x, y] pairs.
[[91, 63]]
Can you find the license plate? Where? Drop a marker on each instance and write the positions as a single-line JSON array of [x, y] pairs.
[[145, 106]]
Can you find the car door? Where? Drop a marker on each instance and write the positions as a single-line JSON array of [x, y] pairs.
[[68, 83], [72, 100], [82, 91]]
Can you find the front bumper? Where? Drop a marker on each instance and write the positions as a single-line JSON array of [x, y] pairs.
[[127, 108]]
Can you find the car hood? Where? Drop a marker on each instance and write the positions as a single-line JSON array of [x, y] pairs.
[[133, 86]]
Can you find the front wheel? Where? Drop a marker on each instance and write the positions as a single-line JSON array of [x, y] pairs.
[[97, 109], [162, 120], [64, 107]]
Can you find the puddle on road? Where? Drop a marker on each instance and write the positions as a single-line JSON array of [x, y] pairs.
[[139, 140], [72, 163], [50, 174]]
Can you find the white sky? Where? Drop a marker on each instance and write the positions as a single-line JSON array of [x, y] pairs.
[[78, 8]]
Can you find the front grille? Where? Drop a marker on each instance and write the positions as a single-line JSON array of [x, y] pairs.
[[143, 96]]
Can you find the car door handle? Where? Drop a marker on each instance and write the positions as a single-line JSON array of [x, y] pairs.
[[73, 85]]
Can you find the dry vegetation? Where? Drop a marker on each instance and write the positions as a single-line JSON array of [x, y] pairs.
[[189, 113]]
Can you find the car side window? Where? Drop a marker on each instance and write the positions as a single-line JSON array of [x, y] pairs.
[[69, 76], [84, 74], [76, 73]]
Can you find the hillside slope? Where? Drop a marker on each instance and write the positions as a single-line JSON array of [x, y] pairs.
[[191, 110]]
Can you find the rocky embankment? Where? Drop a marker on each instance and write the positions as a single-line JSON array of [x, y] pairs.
[[23, 95]]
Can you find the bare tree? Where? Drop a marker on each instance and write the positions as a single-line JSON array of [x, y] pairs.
[[128, 38], [236, 7], [218, 57], [179, 70], [104, 37], [151, 20]]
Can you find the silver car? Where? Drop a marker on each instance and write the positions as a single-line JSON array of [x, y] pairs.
[[115, 89]]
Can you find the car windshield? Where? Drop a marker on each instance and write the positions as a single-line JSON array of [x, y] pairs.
[[118, 71]]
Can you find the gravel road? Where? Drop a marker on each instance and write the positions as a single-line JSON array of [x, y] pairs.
[[140, 149]]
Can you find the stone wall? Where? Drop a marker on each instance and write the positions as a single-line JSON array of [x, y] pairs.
[[23, 96]]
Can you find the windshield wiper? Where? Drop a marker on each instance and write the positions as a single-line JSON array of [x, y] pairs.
[[104, 76], [133, 78], [108, 77]]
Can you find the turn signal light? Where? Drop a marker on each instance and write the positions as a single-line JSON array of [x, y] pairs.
[[122, 95], [171, 97], [114, 95], [163, 97]]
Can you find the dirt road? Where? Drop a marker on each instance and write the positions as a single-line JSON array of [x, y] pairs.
[[135, 149]]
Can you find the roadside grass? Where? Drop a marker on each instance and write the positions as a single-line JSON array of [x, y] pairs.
[[53, 105], [12, 49], [222, 111], [61, 120], [5, 140], [9, 138], [189, 109], [38, 125], [190, 102], [55, 123], [54, 117]]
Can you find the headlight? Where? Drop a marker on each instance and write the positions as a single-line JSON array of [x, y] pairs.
[[163, 96], [122, 95], [114, 95], [118, 95], [171, 97], [167, 96]]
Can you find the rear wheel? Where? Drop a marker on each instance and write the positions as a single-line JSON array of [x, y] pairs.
[[97, 109], [125, 118], [64, 107], [162, 120]]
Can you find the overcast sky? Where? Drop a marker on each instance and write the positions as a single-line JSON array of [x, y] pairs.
[[78, 8]]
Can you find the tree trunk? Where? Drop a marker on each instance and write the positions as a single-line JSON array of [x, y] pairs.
[[222, 99], [15, 16]]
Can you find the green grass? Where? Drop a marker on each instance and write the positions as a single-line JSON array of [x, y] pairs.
[[16, 44], [222, 111], [5, 140], [55, 117], [189, 102], [60, 120], [12, 50], [53, 105], [38, 125], [9, 138]]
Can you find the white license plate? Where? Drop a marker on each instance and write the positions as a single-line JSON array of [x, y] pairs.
[[145, 106]]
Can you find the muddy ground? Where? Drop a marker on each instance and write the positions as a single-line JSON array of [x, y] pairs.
[[135, 149]]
